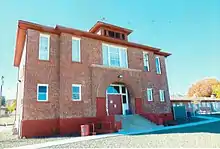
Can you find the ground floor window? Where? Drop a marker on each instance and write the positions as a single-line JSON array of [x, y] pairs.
[[42, 92], [150, 94], [76, 92], [162, 96]]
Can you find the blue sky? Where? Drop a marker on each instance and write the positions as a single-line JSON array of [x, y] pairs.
[[188, 29]]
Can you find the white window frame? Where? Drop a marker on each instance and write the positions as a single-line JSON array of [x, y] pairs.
[[80, 94], [146, 61], [48, 45], [162, 92], [120, 60], [46, 93], [157, 57], [151, 90], [79, 39]]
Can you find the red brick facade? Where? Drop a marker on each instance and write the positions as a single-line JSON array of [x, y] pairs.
[[60, 73]]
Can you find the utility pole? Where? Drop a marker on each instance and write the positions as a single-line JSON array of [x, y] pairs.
[[2, 83]]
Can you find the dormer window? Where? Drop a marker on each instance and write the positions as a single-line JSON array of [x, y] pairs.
[[123, 36], [111, 34], [110, 30], [117, 35]]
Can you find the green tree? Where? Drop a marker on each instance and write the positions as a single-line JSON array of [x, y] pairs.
[[12, 107], [203, 88], [216, 90]]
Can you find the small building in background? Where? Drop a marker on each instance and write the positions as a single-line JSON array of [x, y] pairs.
[[202, 105]]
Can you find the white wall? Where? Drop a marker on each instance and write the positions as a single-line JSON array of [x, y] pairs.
[[20, 88]]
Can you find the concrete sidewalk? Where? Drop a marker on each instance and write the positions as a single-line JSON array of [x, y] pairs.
[[78, 139]]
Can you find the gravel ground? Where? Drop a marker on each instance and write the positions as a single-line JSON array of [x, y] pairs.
[[205, 135], [197, 140], [8, 120], [8, 140]]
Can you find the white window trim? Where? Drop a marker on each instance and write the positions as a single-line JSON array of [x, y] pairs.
[[162, 92], [120, 60], [48, 54], [148, 66], [46, 93], [157, 57], [76, 85], [151, 90], [79, 39]]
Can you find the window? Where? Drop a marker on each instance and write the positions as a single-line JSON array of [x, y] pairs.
[[149, 94], [75, 49], [105, 32], [114, 56], [111, 34], [42, 92], [44, 46], [123, 36], [146, 61], [158, 70], [117, 35], [76, 92], [162, 96], [124, 99], [113, 90]]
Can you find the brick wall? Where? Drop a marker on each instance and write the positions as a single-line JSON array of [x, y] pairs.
[[60, 73], [44, 72]]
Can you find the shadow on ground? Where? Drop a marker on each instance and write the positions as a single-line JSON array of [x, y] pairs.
[[213, 127]]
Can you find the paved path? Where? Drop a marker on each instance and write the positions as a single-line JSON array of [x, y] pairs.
[[78, 139]]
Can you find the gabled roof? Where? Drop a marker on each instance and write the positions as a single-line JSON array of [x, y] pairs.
[[23, 26], [100, 24]]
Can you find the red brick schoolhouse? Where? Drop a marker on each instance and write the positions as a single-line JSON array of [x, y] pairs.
[[68, 77]]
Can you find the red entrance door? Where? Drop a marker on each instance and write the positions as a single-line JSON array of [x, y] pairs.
[[114, 105]]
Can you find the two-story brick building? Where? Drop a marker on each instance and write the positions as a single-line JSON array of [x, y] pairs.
[[69, 77]]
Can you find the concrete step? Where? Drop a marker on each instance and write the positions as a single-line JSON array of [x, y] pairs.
[[135, 122]]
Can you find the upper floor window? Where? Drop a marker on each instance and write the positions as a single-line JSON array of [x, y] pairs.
[[162, 95], [146, 61], [76, 92], [44, 47], [42, 92], [114, 56], [150, 94], [157, 61], [75, 49]]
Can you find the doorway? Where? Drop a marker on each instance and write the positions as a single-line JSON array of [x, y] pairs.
[[117, 102]]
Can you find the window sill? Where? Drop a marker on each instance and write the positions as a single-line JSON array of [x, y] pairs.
[[76, 100], [150, 101], [117, 68], [43, 101], [76, 62], [39, 60]]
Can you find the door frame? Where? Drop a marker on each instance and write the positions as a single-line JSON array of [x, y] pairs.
[[124, 106]]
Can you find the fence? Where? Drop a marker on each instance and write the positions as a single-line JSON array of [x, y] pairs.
[[201, 107]]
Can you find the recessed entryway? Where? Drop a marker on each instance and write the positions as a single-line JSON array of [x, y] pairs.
[[117, 100]]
